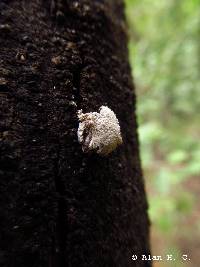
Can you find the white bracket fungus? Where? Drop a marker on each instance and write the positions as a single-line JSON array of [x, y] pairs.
[[99, 132]]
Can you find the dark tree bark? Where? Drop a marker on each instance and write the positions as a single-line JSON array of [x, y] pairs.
[[58, 206]]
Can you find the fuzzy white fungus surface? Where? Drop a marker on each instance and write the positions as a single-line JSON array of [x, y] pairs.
[[99, 132]]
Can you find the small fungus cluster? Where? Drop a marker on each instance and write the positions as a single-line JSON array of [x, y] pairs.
[[99, 131]]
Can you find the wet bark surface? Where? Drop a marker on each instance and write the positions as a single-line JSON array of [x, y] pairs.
[[58, 206]]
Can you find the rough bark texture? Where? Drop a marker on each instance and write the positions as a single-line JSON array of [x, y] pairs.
[[58, 206]]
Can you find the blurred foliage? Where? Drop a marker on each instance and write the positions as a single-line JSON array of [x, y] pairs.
[[164, 51]]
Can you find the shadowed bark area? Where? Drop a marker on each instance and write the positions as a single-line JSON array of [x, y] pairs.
[[58, 206]]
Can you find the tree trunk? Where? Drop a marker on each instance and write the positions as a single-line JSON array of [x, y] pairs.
[[59, 206]]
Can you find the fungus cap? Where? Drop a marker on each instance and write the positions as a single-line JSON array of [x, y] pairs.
[[99, 131]]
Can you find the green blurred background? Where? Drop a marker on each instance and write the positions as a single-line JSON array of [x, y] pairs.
[[164, 51]]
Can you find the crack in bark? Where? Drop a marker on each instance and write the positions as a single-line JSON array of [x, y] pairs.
[[60, 260], [76, 84], [59, 249]]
